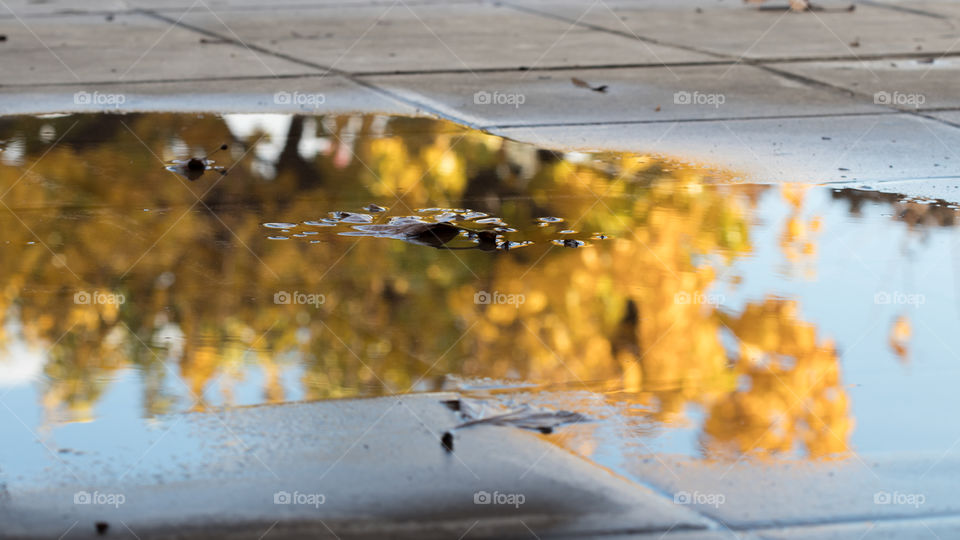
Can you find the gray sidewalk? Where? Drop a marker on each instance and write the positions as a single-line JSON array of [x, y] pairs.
[[375, 468], [757, 90]]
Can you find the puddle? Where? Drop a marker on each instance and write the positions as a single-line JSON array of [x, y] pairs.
[[369, 255]]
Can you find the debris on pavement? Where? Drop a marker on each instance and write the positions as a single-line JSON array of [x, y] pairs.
[[584, 84], [476, 412]]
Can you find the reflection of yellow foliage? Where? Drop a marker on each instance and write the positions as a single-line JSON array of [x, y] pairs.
[[798, 240], [631, 314], [793, 392], [900, 333]]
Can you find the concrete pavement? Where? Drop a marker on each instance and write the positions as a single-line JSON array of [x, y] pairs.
[[758, 90], [863, 97]]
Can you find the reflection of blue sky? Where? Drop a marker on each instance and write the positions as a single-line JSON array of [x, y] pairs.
[[896, 408], [274, 128], [20, 362], [36, 450]]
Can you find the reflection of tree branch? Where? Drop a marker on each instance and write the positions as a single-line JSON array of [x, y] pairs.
[[932, 213]]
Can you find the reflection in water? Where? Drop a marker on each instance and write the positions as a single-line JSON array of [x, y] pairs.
[[114, 264]]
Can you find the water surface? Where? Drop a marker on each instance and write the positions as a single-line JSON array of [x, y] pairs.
[[688, 311]]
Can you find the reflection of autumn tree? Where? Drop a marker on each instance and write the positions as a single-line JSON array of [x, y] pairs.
[[631, 313], [790, 390]]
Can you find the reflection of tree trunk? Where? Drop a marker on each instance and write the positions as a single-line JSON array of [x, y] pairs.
[[483, 192], [626, 338], [291, 160]]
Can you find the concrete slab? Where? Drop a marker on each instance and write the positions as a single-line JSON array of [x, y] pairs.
[[652, 94], [942, 9], [756, 494], [354, 468], [84, 49], [952, 117], [903, 83], [776, 34], [932, 528], [404, 37], [328, 94], [857, 148]]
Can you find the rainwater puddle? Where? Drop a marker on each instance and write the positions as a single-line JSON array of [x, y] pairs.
[[313, 258]]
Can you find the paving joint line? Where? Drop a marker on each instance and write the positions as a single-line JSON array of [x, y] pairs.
[[677, 64], [620, 33], [513, 69], [852, 93], [233, 41]]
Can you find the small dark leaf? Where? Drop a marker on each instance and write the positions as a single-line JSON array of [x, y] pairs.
[[452, 404], [447, 441]]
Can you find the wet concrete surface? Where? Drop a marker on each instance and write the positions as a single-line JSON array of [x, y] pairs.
[[346, 469]]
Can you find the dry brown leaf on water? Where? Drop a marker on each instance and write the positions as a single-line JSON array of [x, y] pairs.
[[415, 232], [477, 412], [584, 84]]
